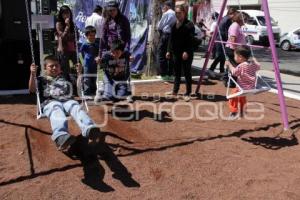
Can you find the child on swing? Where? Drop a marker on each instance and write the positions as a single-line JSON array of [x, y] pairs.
[[246, 78], [115, 64], [56, 100]]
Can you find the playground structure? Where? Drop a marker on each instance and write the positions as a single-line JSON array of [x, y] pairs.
[[39, 22], [210, 47], [201, 160], [284, 116]]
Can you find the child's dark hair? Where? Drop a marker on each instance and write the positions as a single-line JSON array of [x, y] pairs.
[[243, 51], [117, 45], [89, 29], [51, 58], [231, 11], [98, 9], [215, 15]]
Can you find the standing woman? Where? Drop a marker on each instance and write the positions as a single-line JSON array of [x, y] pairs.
[[180, 48], [66, 49], [235, 35], [116, 27], [222, 36]]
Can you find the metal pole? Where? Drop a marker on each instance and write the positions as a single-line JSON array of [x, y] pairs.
[[210, 46], [284, 115], [240, 44], [39, 29], [40, 35]]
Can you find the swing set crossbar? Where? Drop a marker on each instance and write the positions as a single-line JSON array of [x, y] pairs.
[[239, 44]]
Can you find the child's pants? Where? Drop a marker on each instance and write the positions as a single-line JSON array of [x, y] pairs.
[[236, 101], [115, 89], [55, 111], [89, 80]]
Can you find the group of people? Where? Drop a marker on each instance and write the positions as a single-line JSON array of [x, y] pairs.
[[108, 43], [102, 31], [176, 52], [237, 57]]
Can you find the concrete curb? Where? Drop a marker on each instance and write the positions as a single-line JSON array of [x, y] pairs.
[[13, 92], [286, 94], [274, 91], [136, 82]]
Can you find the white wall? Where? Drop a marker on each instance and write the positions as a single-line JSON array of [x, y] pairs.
[[286, 12], [283, 11]]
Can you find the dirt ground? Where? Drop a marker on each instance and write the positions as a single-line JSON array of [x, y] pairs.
[[163, 150]]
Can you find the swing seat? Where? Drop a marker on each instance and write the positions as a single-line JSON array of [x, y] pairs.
[[248, 92], [41, 115], [256, 90]]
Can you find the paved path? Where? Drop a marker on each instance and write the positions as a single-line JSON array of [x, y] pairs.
[[291, 83]]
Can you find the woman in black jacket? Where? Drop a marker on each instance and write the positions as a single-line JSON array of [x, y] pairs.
[[181, 50]]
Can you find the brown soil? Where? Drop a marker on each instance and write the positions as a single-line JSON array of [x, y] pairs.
[[154, 156]]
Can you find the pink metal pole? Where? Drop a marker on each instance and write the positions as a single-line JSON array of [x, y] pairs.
[[240, 44], [284, 115], [211, 45]]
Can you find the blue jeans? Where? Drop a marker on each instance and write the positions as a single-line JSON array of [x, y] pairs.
[[56, 111], [115, 89]]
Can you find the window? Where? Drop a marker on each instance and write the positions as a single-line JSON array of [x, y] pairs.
[[262, 21], [251, 21], [297, 32]]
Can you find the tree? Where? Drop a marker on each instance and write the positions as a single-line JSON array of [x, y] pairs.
[[152, 50]]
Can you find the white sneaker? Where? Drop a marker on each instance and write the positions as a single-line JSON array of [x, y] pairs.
[[171, 93], [129, 99], [186, 98], [98, 98], [87, 97]]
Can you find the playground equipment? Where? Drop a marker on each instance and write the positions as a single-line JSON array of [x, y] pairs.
[[274, 59], [259, 87], [40, 113]]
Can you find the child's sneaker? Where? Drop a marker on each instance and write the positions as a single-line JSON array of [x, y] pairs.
[[233, 116], [241, 114], [88, 97], [98, 98], [94, 135], [64, 142], [171, 93], [129, 99], [186, 98]]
